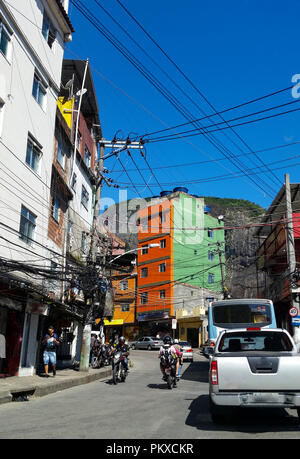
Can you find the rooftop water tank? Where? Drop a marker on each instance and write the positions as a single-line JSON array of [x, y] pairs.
[[165, 193], [206, 209], [181, 188]]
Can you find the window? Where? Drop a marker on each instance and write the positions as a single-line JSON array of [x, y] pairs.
[[85, 197], [61, 153], [144, 272], [27, 225], [125, 307], [78, 141], [39, 91], [211, 278], [144, 298], [124, 285], [48, 30], [87, 157], [83, 242], [33, 154], [53, 265], [144, 250], [70, 227], [163, 244], [210, 233], [162, 267], [211, 256], [73, 183], [162, 217], [5, 40], [55, 208], [162, 294]]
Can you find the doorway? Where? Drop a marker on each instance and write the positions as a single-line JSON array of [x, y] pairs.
[[193, 336]]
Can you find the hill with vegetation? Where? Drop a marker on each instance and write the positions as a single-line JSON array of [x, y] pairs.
[[240, 243]]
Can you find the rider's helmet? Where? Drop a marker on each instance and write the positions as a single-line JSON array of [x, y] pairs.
[[122, 339], [167, 340]]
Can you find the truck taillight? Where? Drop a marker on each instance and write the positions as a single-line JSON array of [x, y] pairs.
[[214, 373]]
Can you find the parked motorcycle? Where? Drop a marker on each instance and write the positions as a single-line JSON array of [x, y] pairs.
[[168, 363], [106, 354], [97, 360], [118, 368]]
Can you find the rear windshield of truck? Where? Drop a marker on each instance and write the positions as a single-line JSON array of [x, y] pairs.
[[255, 341]]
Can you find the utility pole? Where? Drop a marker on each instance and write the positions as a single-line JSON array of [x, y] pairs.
[[291, 254], [86, 338], [221, 267], [219, 251], [92, 257]]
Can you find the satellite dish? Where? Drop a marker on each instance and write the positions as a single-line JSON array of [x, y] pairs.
[[81, 92]]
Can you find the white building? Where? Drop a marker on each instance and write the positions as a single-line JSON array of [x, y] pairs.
[[32, 40]]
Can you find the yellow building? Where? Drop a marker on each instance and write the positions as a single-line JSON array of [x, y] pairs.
[[124, 318], [192, 325]]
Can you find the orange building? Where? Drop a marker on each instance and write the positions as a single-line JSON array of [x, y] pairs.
[[124, 319], [155, 268]]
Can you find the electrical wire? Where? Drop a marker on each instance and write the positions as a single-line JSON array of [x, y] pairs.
[[149, 76]]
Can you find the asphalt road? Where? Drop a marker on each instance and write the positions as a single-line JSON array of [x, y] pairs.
[[142, 408]]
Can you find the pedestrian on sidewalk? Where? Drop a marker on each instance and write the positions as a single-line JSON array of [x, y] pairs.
[[50, 342]]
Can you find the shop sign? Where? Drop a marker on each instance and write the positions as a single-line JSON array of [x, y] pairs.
[[296, 321], [153, 316]]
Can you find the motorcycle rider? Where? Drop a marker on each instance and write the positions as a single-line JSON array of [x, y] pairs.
[[124, 348], [179, 362], [168, 346]]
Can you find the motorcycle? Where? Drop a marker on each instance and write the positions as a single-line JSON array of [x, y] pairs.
[[102, 356], [106, 354], [168, 363], [97, 361], [118, 368]]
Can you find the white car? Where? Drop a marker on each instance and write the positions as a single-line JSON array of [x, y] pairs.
[[187, 351]]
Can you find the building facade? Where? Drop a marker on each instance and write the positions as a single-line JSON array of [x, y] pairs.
[[32, 41], [278, 284], [178, 264]]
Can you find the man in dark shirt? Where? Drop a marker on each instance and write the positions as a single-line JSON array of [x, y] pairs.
[[124, 348], [50, 342]]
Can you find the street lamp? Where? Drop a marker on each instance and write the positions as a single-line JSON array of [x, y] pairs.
[[150, 246]]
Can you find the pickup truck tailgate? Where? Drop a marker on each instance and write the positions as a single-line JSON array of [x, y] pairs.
[[259, 373]]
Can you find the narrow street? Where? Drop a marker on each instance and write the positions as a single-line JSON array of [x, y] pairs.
[[142, 408]]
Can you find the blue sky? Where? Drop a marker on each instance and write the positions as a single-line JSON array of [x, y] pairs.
[[233, 52]]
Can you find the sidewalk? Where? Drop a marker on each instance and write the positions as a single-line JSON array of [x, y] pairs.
[[14, 387]]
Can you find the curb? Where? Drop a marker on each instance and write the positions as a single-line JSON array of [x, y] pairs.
[[36, 391]]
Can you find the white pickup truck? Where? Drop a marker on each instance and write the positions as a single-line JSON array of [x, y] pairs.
[[253, 368]]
